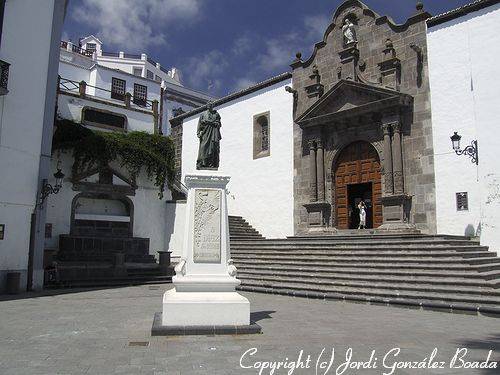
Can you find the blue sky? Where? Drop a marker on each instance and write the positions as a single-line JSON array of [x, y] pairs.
[[220, 46]]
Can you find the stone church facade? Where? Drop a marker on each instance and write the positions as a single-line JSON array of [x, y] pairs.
[[362, 125]]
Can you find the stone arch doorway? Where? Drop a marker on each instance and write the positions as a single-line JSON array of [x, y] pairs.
[[102, 215], [357, 176]]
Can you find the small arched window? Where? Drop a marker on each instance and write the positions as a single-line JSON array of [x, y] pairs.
[[261, 135]]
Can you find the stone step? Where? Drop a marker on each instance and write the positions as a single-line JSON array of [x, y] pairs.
[[325, 249], [356, 243], [138, 280], [466, 295], [363, 234], [463, 272], [413, 302], [364, 255], [390, 278], [375, 267], [355, 261], [240, 231]]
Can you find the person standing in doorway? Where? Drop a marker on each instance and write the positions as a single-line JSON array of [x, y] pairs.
[[362, 215]]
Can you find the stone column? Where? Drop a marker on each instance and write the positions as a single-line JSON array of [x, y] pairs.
[[312, 171], [397, 156], [320, 170], [389, 187]]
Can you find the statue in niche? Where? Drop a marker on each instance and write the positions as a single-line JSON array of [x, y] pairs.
[[349, 32], [209, 134]]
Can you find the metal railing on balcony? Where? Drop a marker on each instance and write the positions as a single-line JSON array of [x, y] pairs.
[[4, 77], [81, 88], [76, 49]]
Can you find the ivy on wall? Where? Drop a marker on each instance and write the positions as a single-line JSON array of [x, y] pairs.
[[133, 150]]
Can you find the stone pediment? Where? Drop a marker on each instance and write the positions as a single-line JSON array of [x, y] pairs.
[[104, 180], [348, 98]]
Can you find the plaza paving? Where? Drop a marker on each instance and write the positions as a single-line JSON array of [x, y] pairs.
[[103, 332]]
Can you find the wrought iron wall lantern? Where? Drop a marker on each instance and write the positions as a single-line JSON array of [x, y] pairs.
[[470, 151], [48, 189]]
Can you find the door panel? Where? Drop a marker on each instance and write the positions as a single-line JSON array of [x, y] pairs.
[[357, 163]]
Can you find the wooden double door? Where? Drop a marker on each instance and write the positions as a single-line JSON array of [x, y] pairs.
[[357, 177]]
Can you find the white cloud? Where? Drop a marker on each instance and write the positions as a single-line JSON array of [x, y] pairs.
[[280, 51], [243, 83], [131, 24], [316, 26], [205, 71], [242, 45]]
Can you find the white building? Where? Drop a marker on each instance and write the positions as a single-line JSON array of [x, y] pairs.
[[464, 48], [256, 150], [105, 92], [28, 94], [175, 96]]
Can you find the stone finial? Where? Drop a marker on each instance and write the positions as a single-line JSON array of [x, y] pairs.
[[388, 44], [231, 268], [420, 6], [180, 268]]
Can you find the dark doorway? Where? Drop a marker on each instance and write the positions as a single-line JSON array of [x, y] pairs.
[[356, 193]]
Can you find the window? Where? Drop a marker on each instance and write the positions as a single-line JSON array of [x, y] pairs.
[[140, 94], [103, 119], [137, 72], [462, 201], [149, 74], [91, 47], [118, 88], [261, 135], [264, 130], [48, 230], [157, 78], [2, 231]]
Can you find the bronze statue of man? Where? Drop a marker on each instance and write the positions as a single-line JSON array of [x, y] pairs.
[[209, 134]]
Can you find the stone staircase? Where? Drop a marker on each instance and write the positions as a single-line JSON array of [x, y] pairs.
[[239, 229], [437, 272]]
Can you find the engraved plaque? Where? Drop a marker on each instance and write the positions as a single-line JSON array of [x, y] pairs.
[[207, 226]]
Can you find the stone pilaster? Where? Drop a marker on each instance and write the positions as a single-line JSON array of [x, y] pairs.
[[389, 187], [397, 159], [312, 172], [349, 58], [320, 171]]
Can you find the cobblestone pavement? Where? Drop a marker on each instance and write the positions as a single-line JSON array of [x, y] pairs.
[[102, 332]]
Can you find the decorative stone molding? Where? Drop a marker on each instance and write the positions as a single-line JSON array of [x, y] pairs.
[[315, 89], [390, 67]]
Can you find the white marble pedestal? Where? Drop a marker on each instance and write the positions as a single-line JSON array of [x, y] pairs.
[[204, 299]]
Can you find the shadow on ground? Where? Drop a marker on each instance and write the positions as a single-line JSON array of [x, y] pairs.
[[55, 292], [260, 315]]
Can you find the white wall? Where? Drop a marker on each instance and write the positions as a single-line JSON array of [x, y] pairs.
[[175, 224], [463, 55], [68, 70], [149, 211], [260, 190], [70, 107], [104, 77], [28, 36]]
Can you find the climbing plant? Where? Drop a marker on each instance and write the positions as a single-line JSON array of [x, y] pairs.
[[134, 151]]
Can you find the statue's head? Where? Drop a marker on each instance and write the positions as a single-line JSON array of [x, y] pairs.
[[210, 106]]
